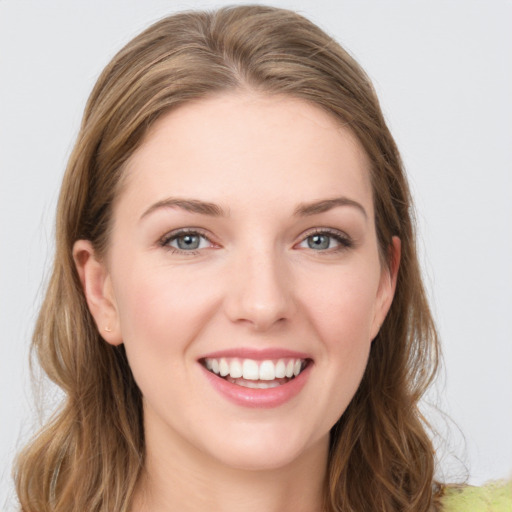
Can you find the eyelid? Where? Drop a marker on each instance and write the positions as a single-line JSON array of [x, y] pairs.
[[171, 235], [344, 240]]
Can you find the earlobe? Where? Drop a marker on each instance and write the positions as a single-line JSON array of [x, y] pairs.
[[387, 285], [98, 291]]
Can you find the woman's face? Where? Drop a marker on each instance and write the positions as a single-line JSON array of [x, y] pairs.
[[243, 251]]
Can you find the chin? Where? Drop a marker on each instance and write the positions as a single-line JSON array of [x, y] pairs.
[[267, 451]]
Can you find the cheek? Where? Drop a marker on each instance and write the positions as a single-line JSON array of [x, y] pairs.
[[341, 311], [342, 307], [161, 312]]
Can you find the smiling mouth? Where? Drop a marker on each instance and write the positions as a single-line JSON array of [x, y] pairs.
[[251, 373]]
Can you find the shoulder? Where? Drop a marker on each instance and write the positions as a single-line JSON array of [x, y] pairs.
[[492, 497]]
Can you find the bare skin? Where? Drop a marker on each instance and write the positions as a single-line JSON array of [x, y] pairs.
[[297, 487]]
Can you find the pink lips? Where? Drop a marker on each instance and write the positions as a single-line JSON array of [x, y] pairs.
[[258, 398], [257, 354]]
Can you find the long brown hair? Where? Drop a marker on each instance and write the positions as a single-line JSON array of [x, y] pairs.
[[90, 454]]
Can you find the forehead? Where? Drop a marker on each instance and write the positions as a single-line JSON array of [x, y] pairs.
[[237, 148]]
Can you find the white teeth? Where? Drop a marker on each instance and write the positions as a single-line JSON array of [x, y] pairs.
[[289, 369], [280, 369], [235, 369], [257, 385], [253, 370], [250, 369], [223, 367], [267, 370]]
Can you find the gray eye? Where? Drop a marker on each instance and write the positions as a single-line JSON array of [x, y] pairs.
[[319, 242], [188, 242]]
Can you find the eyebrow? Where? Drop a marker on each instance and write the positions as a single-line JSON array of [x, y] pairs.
[[306, 209], [214, 210], [190, 205]]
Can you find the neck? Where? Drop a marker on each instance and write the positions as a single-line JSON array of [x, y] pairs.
[[188, 480]]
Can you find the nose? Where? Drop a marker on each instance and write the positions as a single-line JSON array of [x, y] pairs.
[[260, 291]]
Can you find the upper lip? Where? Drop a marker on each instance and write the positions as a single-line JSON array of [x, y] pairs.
[[258, 354]]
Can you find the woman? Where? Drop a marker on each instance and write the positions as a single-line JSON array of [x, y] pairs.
[[236, 312]]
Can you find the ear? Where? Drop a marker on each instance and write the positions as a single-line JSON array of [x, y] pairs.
[[98, 291], [387, 285]]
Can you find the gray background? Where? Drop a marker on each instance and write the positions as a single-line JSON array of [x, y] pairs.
[[443, 71]]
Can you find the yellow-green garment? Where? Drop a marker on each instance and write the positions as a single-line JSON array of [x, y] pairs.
[[492, 497]]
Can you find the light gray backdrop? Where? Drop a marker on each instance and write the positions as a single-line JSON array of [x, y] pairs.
[[444, 75]]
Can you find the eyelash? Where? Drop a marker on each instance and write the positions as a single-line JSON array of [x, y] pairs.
[[344, 242], [174, 235]]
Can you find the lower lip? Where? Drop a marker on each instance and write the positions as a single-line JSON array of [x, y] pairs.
[[258, 398]]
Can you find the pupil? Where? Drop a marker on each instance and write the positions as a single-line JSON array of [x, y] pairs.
[[318, 242], [188, 242]]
